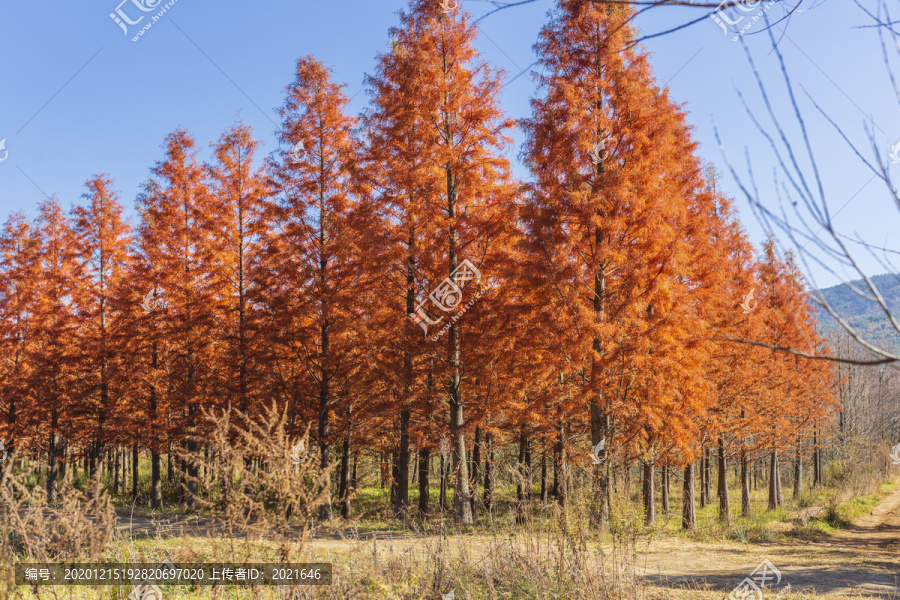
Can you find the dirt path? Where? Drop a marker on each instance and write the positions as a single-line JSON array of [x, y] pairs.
[[863, 561]]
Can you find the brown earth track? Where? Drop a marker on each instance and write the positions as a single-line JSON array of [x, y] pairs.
[[862, 561]]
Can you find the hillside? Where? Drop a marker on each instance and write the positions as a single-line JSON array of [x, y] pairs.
[[863, 314]]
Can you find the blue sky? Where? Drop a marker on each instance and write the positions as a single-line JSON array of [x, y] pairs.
[[80, 98]]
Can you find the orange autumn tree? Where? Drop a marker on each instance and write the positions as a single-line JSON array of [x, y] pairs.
[[102, 241], [148, 347], [446, 194], [53, 348], [18, 256], [313, 259], [666, 346], [800, 392], [778, 330], [238, 200], [723, 265], [614, 180], [177, 262], [398, 177]]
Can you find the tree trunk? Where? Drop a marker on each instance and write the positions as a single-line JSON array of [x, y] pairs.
[[53, 462], [344, 480], [191, 447], [724, 498], [489, 473], [182, 471], [649, 492], [192, 471], [600, 472], [745, 484], [116, 473], [63, 457], [774, 492], [817, 472], [10, 444], [559, 465], [442, 499], [424, 459], [529, 472], [600, 419], [323, 434], [524, 479], [155, 479], [665, 490], [704, 476], [798, 472], [476, 472], [627, 480], [778, 484], [689, 508], [92, 459], [170, 465], [401, 502], [462, 506], [544, 474], [135, 476], [395, 476], [820, 467], [155, 470], [325, 373]]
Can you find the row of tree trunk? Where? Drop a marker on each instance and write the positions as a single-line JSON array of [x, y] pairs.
[[746, 471], [120, 461]]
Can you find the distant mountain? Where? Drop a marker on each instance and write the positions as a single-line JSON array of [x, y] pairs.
[[866, 316]]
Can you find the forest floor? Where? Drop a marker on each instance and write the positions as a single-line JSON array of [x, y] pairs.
[[862, 561]]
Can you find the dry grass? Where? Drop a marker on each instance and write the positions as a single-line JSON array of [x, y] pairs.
[[260, 506]]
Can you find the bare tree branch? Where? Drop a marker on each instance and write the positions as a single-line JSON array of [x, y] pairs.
[[805, 188]]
